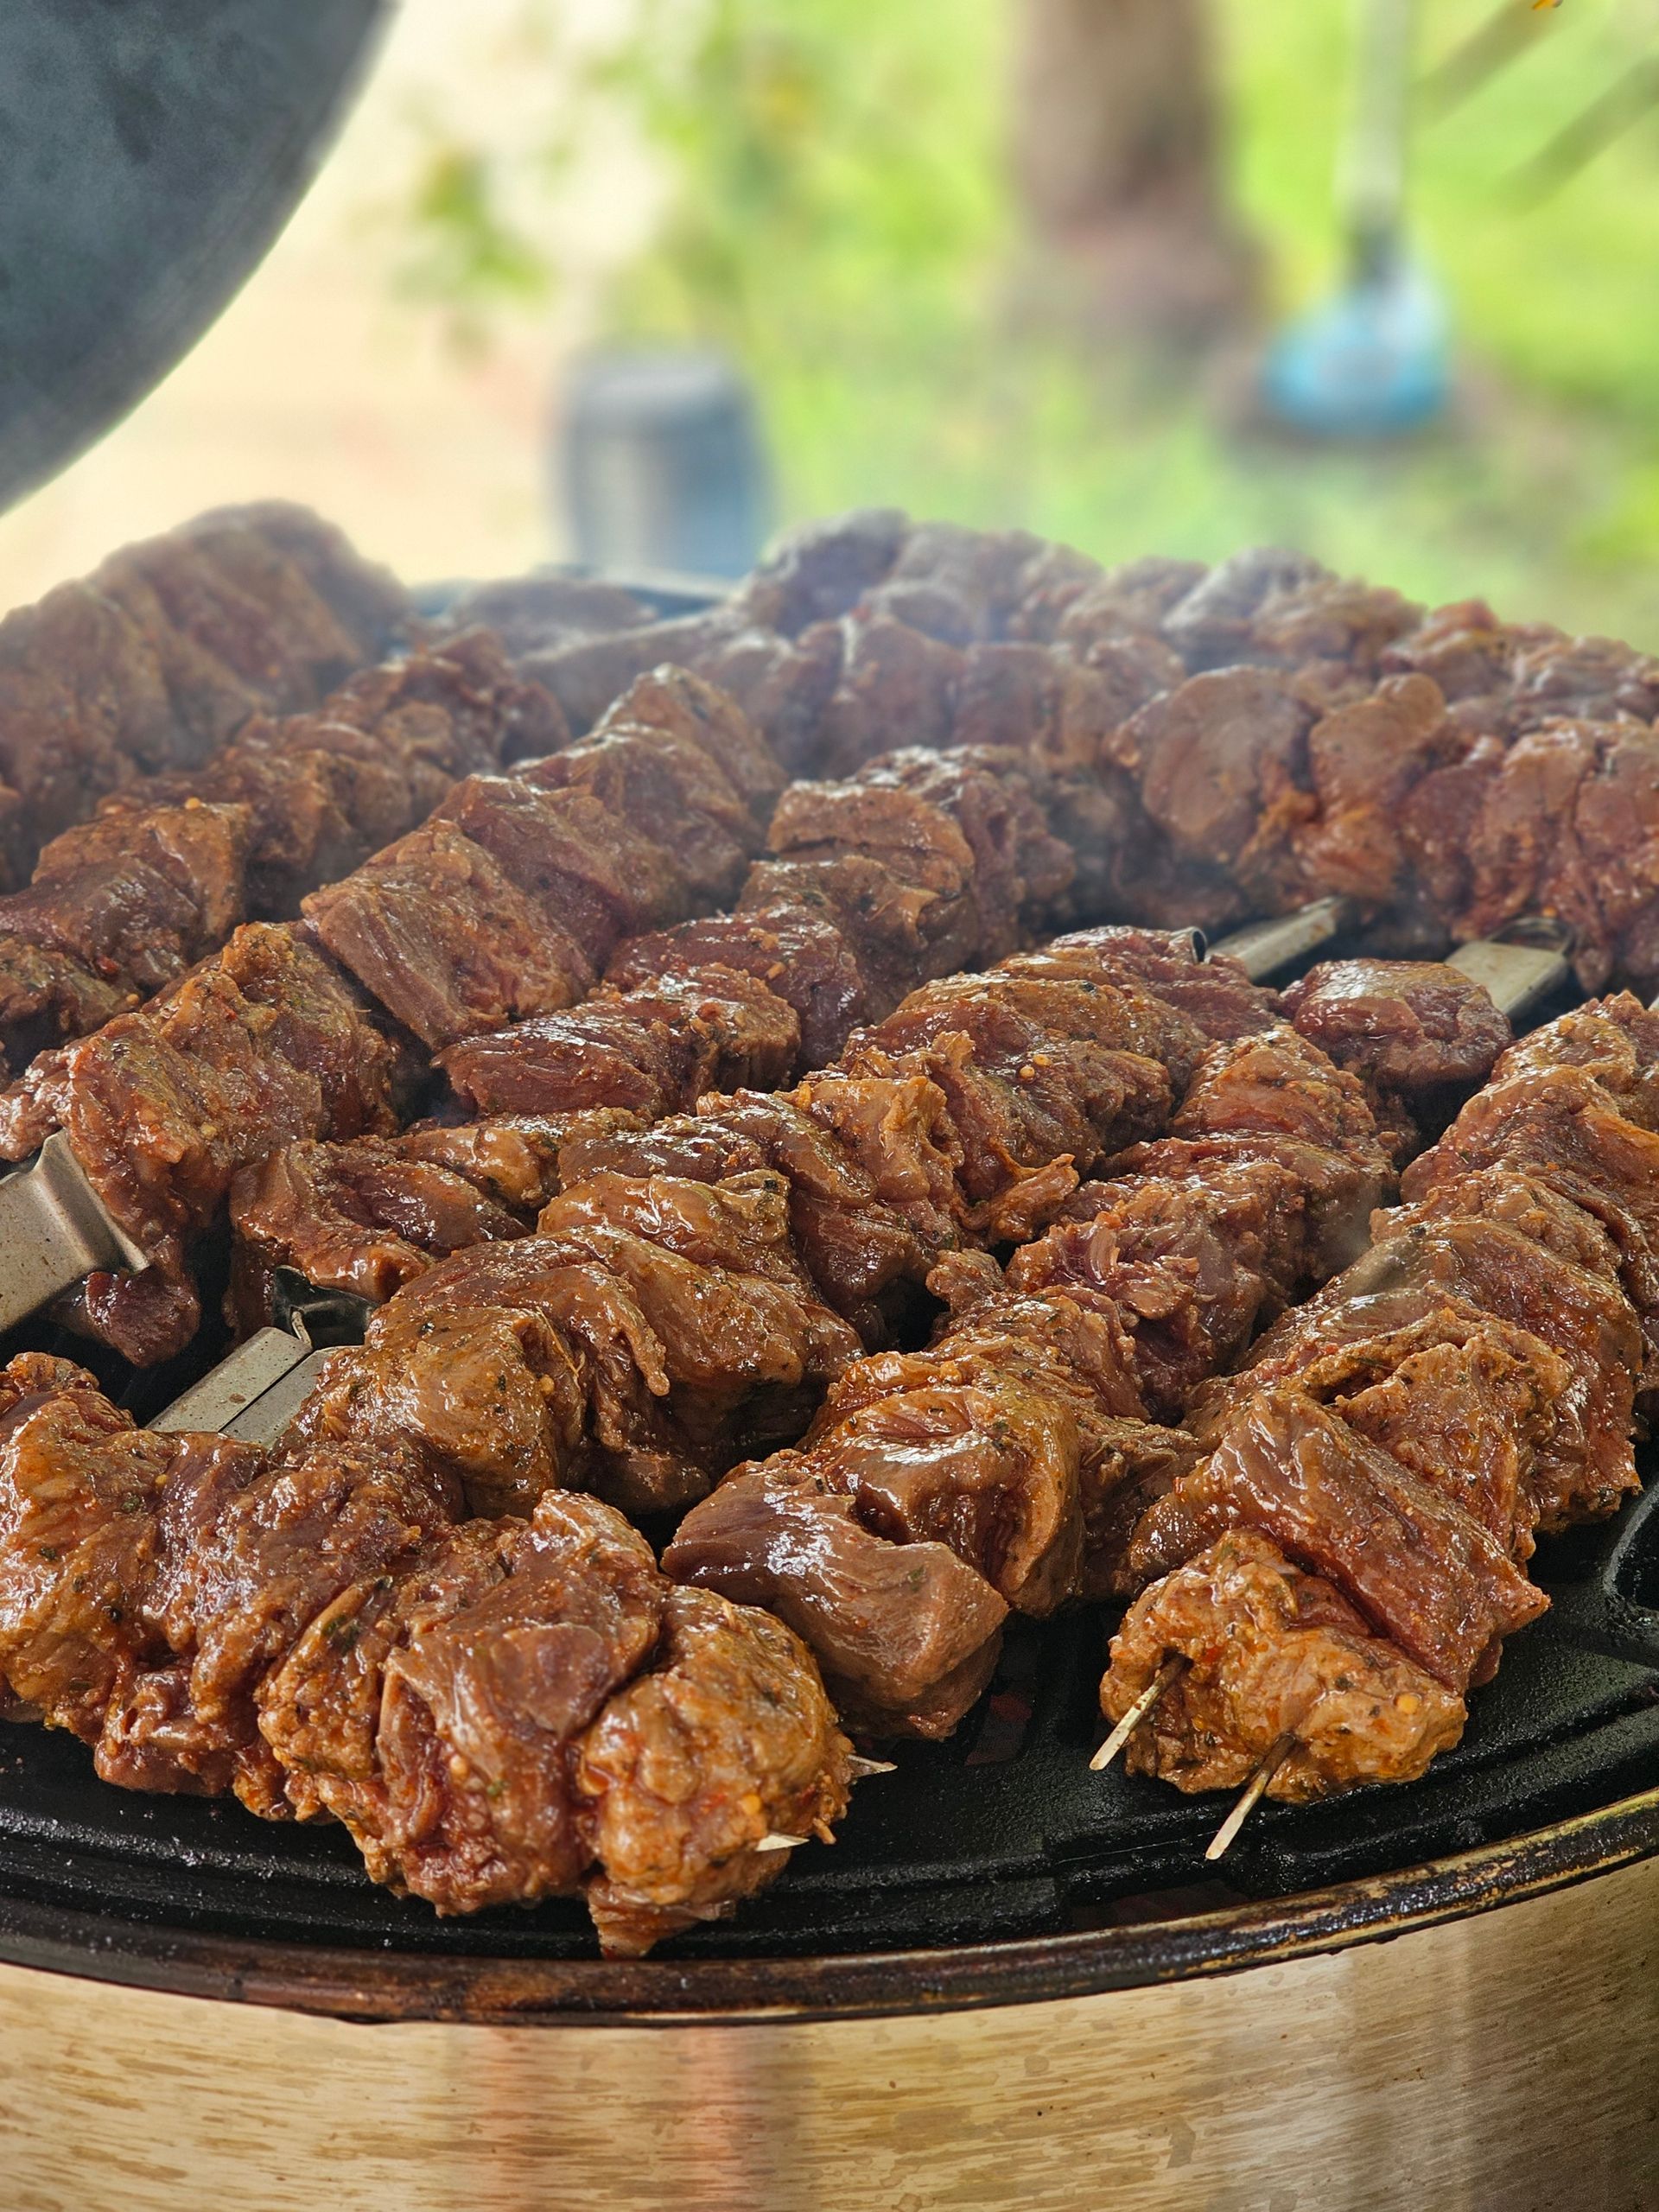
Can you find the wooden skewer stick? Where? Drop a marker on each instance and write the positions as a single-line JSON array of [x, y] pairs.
[[1166, 1676], [776, 1842], [859, 1769], [1251, 1796]]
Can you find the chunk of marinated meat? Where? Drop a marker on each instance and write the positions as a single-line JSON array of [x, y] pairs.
[[46, 998], [992, 1471], [1514, 1200], [137, 899], [77, 1541], [896, 687], [1273, 1653], [862, 1235], [313, 1015], [1330, 623], [1561, 1128], [437, 1714], [1615, 1040], [800, 956], [1222, 767], [899, 934], [897, 1127], [1487, 1268], [1275, 1100], [248, 1567], [158, 658], [1406, 1026], [1193, 1267], [684, 705], [726, 1737], [1021, 872], [1463, 646], [1278, 1084], [363, 597], [907, 1635], [591, 876], [978, 574], [367, 1216], [819, 570], [671, 792], [587, 675], [511, 1157], [362, 1217], [782, 684], [1419, 1566], [654, 1331], [652, 1050], [1212, 623], [915, 842], [1035, 1091], [445, 941], [1015, 1013], [1596, 678], [1467, 1405], [1364, 761], [1418, 1034], [1211, 992]]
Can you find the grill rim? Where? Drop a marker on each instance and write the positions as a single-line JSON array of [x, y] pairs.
[[484, 1991]]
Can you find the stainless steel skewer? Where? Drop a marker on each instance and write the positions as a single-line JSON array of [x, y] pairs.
[[1262, 949], [256, 1390], [53, 1229], [1523, 965]]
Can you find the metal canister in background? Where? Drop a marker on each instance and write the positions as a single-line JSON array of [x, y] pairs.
[[660, 464]]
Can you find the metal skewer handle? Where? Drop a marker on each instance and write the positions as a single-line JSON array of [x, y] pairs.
[[1522, 966], [53, 1229], [1262, 949]]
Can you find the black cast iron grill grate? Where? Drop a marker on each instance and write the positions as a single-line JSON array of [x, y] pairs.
[[1000, 1833]]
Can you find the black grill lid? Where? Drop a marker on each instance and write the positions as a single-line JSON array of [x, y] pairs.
[[150, 152]]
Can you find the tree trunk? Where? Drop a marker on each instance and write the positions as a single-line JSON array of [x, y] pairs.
[[1115, 149]]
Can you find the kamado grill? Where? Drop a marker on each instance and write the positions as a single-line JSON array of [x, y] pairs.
[[682, 866]]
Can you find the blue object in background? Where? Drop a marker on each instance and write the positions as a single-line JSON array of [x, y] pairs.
[[661, 465], [1371, 361]]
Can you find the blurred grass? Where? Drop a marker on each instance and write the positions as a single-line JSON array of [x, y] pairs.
[[844, 227], [840, 218]]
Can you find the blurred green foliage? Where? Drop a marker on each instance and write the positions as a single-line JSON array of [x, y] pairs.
[[838, 214]]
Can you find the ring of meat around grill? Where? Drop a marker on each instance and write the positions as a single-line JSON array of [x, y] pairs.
[[413, 1615]]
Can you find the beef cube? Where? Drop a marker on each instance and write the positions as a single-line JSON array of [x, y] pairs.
[[445, 940], [594, 878], [799, 955], [817, 571]]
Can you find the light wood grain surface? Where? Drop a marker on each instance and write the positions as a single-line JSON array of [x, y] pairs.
[[1506, 2064]]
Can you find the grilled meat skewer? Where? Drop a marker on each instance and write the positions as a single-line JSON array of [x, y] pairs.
[[272, 1041], [497, 1710], [120, 906], [1342, 1568], [1216, 744], [160, 656]]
